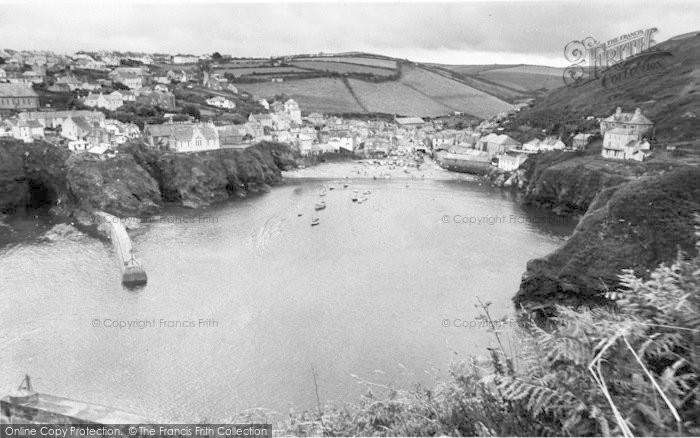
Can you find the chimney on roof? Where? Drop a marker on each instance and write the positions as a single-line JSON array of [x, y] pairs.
[[618, 111], [638, 112]]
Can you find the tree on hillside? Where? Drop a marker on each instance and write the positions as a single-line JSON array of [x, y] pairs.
[[216, 56], [192, 110]]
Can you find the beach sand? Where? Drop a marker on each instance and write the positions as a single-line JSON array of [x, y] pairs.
[[368, 169]]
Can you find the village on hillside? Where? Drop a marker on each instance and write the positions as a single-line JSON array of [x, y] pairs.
[[93, 103]]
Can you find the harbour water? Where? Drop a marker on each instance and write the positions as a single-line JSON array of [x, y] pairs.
[[244, 299]]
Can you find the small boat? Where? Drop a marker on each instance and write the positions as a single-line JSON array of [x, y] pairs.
[[367, 192], [362, 199], [320, 206], [345, 186], [331, 188], [323, 193], [315, 221]]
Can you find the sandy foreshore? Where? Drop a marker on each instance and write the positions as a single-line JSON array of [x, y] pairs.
[[369, 169]]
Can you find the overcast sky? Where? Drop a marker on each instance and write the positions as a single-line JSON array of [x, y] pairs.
[[452, 33]]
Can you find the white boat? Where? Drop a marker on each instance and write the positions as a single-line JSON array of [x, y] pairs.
[[315, 221], [320, 206]]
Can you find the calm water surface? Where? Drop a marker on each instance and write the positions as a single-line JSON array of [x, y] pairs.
[[364, 294]]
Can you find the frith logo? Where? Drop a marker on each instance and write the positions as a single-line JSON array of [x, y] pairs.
[[591, 60]]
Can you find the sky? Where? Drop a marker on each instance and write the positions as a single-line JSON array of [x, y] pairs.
[[495, 32]]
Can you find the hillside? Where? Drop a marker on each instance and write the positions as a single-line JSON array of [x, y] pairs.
[[664, 85], [508, 82], [364, 83]]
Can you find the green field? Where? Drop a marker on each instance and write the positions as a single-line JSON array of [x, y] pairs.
[[422, 90], [327, 95], [510, 82], [454, 95], [419, 92], [396, 98], [343, 67], [245, 71], [526, 78], [360, 60]]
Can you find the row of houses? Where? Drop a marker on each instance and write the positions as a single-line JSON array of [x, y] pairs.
[[79, 129]]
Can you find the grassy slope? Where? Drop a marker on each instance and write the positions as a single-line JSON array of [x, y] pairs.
[[322, 94], [509, 82], [635, 225], [452, 94], [664, 94], [419, 92]]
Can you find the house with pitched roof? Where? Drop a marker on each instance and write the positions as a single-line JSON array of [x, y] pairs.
[[580, 141], [552, 144], [291, 108], [18, 97], [532, 146], [636, 123], [76, 128], [410, 122], [496, 144], [263, 119], [182, 137], [511, 160], [625, 135], [315, 119], [27, 130], [54, 119], [132, 77], [72, 82], [110, 102]]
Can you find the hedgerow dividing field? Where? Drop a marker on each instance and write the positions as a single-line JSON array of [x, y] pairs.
[[342, 67], [367, 61]]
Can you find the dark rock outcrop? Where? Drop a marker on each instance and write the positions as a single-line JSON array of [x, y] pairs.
[[635, 225], [135, 182], [197, 180], [117, 185], [31, 175]]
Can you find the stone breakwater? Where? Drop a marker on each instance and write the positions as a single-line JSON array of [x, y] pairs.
[[634, 216]]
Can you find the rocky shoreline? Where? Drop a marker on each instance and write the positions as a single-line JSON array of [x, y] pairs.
[[136, 182], [634, 216]]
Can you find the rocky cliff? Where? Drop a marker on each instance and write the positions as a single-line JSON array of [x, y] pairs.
[[135, 182], [637, 215], [197, 180]]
